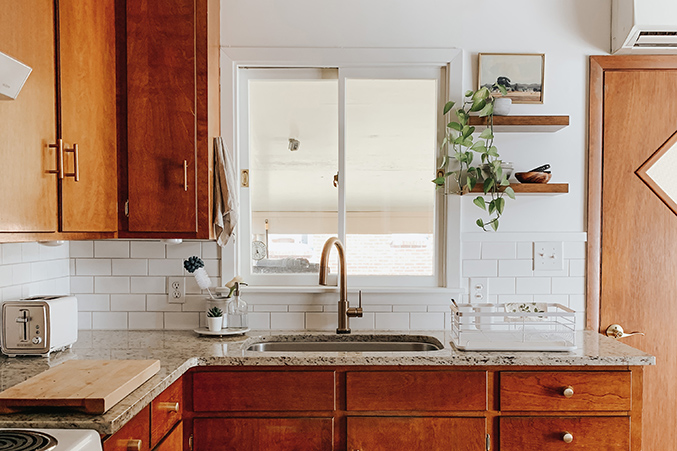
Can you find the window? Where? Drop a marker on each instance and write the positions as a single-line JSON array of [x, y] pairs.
[[341, 152]]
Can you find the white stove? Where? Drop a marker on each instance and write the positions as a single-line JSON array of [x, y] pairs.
[[49, 440]]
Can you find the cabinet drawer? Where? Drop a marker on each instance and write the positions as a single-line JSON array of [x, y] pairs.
[[271, 391], [417, 390], [548, 434], [279, 434], [166, 411], [136, 429], [590, 391]]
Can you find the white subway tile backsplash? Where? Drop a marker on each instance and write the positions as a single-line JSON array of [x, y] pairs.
[[321, 321], [577, 268], [287, 321], [480, 268], [568, 285], [471, 250], [184, 250], [574, 249], [364, 323], [403, 308], [211, 250], [503, 285], [532, 285], [109, 320], [93, 267], [54, 252], [146, 320], [391, 321], [577, 302], [130, 267], [111, 249], [150, 285], [304, 308], [21, 273], [148, 249], [182, 321], [507, 298], [84, 320], [11, 292], [128, 302], [195, 303], [274, 308], [499, 251], [11, 253], [515, 268], [93, 302], [5, 275], [30, 252], [81, 249], [111, 284], [159, 303], [426, 321], [82, 284], [166, 267]]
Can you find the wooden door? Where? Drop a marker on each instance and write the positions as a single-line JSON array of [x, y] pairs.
[[416, 434], [173, 441], [88, 114], [632, 249], [161, 123], [28, 124], [263, 434]]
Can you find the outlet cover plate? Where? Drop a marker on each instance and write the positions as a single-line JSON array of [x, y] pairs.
[[176, 290], [479, 293], [548, 256]]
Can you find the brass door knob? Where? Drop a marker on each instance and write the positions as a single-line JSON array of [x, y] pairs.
[[134, 445], [170, 406], [616, 331], [568, 392], [567, 437]]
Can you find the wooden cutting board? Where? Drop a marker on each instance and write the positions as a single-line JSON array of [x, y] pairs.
[[91, 386]]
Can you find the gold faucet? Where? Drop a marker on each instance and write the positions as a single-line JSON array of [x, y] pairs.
[[344, 310]]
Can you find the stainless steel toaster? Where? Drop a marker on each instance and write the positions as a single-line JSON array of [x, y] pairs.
[[39, 325]]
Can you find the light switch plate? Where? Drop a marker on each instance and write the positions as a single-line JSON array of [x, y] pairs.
[[176, 290], [548, 256], [479, 294]]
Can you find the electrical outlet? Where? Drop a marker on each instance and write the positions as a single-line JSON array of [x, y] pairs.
[[479, 294], [548, 256], [176, 290]]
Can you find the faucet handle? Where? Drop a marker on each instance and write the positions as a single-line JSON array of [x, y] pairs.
[[353, 312], [359, 299]]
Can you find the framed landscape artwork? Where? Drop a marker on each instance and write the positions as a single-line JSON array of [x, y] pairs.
[[522, 74]]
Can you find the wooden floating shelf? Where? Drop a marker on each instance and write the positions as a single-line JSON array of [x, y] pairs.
[[522, 123], [532, 188]]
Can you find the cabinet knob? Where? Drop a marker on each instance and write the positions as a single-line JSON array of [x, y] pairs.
[[568, 392], [169, 406], [567, 437], [134, 445]]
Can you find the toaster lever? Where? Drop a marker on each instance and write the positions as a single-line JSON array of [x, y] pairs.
[[22, 319]]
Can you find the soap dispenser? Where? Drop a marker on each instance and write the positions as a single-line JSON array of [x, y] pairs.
[[237, 309]]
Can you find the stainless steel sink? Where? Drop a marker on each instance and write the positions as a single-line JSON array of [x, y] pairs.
[[392, 343]]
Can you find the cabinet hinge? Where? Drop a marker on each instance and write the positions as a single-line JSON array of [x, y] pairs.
[[127, 208], [190, 442], [488, 442]]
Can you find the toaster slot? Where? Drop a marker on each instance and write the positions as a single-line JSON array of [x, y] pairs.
[[23, 319]]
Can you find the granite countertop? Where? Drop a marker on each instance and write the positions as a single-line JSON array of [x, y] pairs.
[[179, 351]]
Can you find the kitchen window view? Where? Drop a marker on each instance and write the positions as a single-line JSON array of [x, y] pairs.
[[346, 153]]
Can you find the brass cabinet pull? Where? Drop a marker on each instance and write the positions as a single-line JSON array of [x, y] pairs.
[[170, 406], [185, 175], [567, 437], [568, 392], [134, 445], [76, 163], [616, 331], [59, 158]]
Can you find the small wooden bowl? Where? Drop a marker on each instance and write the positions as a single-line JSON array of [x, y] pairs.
[[533, 177]]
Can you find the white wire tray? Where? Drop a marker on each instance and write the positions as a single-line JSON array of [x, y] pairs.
[[528, 326]]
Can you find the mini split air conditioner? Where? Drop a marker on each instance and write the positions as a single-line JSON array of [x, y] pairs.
[[643, 26]]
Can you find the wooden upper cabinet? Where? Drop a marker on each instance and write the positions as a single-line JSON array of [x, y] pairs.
[[172, 117], [29, 192], [88, 115]]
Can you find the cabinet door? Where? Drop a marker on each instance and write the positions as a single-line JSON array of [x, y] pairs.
[[29, 192], [161, 108], [133, 435], [88, 114], [173, 441], [416, 434], [263, 434]]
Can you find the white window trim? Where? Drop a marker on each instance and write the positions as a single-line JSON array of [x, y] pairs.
[[232, 59]]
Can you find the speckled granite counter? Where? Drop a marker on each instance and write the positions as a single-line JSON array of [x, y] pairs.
[[179, 351]]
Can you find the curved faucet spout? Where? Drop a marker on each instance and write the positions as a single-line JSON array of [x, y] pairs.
[[344, 311]]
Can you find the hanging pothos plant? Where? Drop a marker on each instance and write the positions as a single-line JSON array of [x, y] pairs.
[[461, 148]]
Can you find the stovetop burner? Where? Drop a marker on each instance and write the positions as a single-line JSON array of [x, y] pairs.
[[21, 440]]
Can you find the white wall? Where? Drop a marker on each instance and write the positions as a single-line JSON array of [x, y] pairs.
[[28, 269]]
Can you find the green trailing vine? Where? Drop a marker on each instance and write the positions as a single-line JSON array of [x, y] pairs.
[[461, 148]]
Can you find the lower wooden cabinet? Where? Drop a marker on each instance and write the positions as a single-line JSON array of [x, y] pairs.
[[416, 434], [263, 434], [173, 441], [133, 435], [564, 433]]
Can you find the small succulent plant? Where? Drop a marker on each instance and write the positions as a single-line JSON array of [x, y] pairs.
[[193, 264], [214, 312]]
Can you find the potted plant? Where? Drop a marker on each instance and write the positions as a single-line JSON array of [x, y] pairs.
[[461, 149], [215, 319]]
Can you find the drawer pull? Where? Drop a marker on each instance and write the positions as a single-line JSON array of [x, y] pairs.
[[134, 445], [567, 437], [169, 406], [568, 392]]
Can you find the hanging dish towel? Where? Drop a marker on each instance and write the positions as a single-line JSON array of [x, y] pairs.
[[226, 203]]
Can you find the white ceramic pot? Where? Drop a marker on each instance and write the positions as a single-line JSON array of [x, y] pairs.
[[215, 324], [502, 106]]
